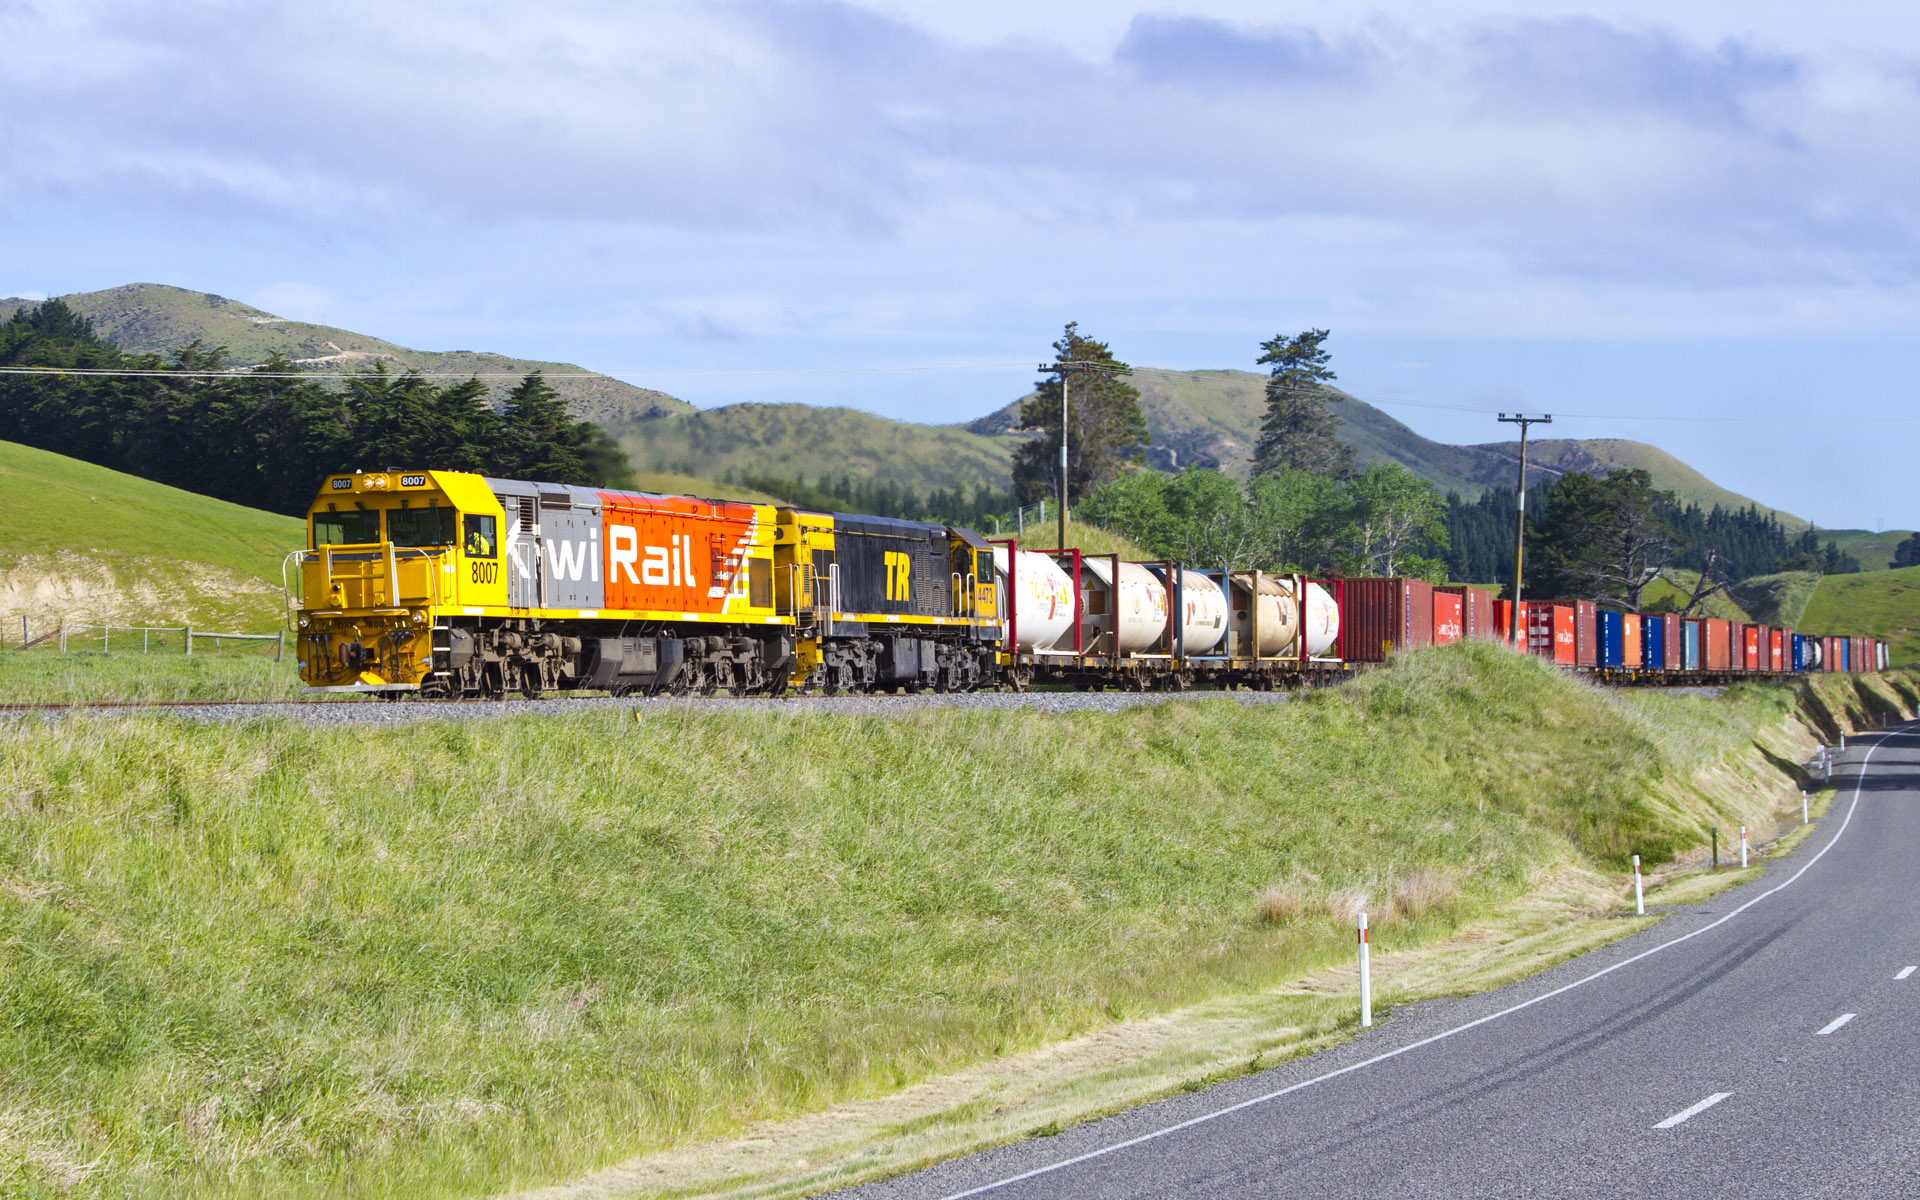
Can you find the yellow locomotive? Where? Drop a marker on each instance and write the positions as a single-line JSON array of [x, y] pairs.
[[452, 584]]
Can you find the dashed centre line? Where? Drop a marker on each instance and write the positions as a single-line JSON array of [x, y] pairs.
[[1904, 972], [1693, 1110], [1836, 1023]]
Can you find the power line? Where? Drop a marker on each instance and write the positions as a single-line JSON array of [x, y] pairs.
[[249, 373]]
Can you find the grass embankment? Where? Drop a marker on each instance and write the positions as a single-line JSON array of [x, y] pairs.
[[439, 959], [89, 544], [1882, 604]]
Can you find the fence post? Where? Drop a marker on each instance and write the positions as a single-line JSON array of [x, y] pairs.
[[188, 630], [63, 635], [280, 645], [26, 634], [106, 638]]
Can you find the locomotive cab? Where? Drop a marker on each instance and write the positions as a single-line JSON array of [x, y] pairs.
[[386, 550]]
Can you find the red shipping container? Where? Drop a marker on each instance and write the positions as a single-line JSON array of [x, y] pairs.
[[1750, 652], [1449, 621], [1716, 650], [1630, 640], [1379, 616], [1503, 621], [1777, 651], [1675, 651], [1550, 632], [1831, 648], [1476, 611]]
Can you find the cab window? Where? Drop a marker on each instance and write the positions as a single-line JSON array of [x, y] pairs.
[[356, 528], [479, 541], [420, 526]]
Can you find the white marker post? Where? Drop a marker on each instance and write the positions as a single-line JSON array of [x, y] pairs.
[[1366, 978], [1743, 847], [1639, 900], [1843, 743], [1803, 806]]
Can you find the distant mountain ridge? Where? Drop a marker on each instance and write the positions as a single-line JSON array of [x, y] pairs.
[[1212, 418], [154, 318]]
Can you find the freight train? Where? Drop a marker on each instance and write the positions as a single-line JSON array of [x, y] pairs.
[[451, 584]]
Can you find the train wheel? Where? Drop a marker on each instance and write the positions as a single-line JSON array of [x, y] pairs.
[[530, 681]]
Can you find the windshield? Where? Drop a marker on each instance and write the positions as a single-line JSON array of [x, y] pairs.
[[420, 526], [357, 528]]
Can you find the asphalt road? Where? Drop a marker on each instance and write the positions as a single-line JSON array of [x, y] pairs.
[[1765, 1043]]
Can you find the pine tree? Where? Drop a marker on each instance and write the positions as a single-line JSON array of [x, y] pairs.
[[1298, 432], [1105, 428]]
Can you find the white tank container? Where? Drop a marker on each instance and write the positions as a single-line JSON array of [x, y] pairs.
[[1279, 615], [1204, 613], [1322, 621], [1041, 599], [1137, 609]]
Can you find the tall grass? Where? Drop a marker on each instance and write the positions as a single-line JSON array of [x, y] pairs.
[[443, 958], [47, 676]]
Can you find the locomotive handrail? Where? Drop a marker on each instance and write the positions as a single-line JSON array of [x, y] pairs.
[[286, 589]]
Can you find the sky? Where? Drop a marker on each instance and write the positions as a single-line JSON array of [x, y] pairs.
[[1690, 225]]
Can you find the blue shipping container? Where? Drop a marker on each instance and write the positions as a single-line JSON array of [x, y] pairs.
[[1690, 645], [1610, 639], [1799, 653], [1653, 641], [1846, 653]]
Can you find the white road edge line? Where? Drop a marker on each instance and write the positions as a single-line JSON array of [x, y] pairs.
[[1693, 1110], [1904, 972], [1350, 1068], [1836, 1023]]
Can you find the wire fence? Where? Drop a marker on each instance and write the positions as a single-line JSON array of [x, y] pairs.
[[143, 639]]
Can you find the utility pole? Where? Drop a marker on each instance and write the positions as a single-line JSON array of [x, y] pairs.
[[1066, 378], [1065, 370], [1520, 530]]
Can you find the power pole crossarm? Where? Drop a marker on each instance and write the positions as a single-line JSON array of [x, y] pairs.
[[1520, 530]]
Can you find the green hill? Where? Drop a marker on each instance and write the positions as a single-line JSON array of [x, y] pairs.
[[787, 441], [152, 318], [87, 544], [1882, 604]]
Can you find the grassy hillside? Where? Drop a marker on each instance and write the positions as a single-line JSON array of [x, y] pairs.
[[87, 543], [790, 440], [543, 946], [1874, 550], [1883, 604], [1779, 599], [153, 318], [1671, 591], [672, 484]]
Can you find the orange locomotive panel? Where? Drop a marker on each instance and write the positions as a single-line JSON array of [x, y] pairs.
[[672, 554]]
